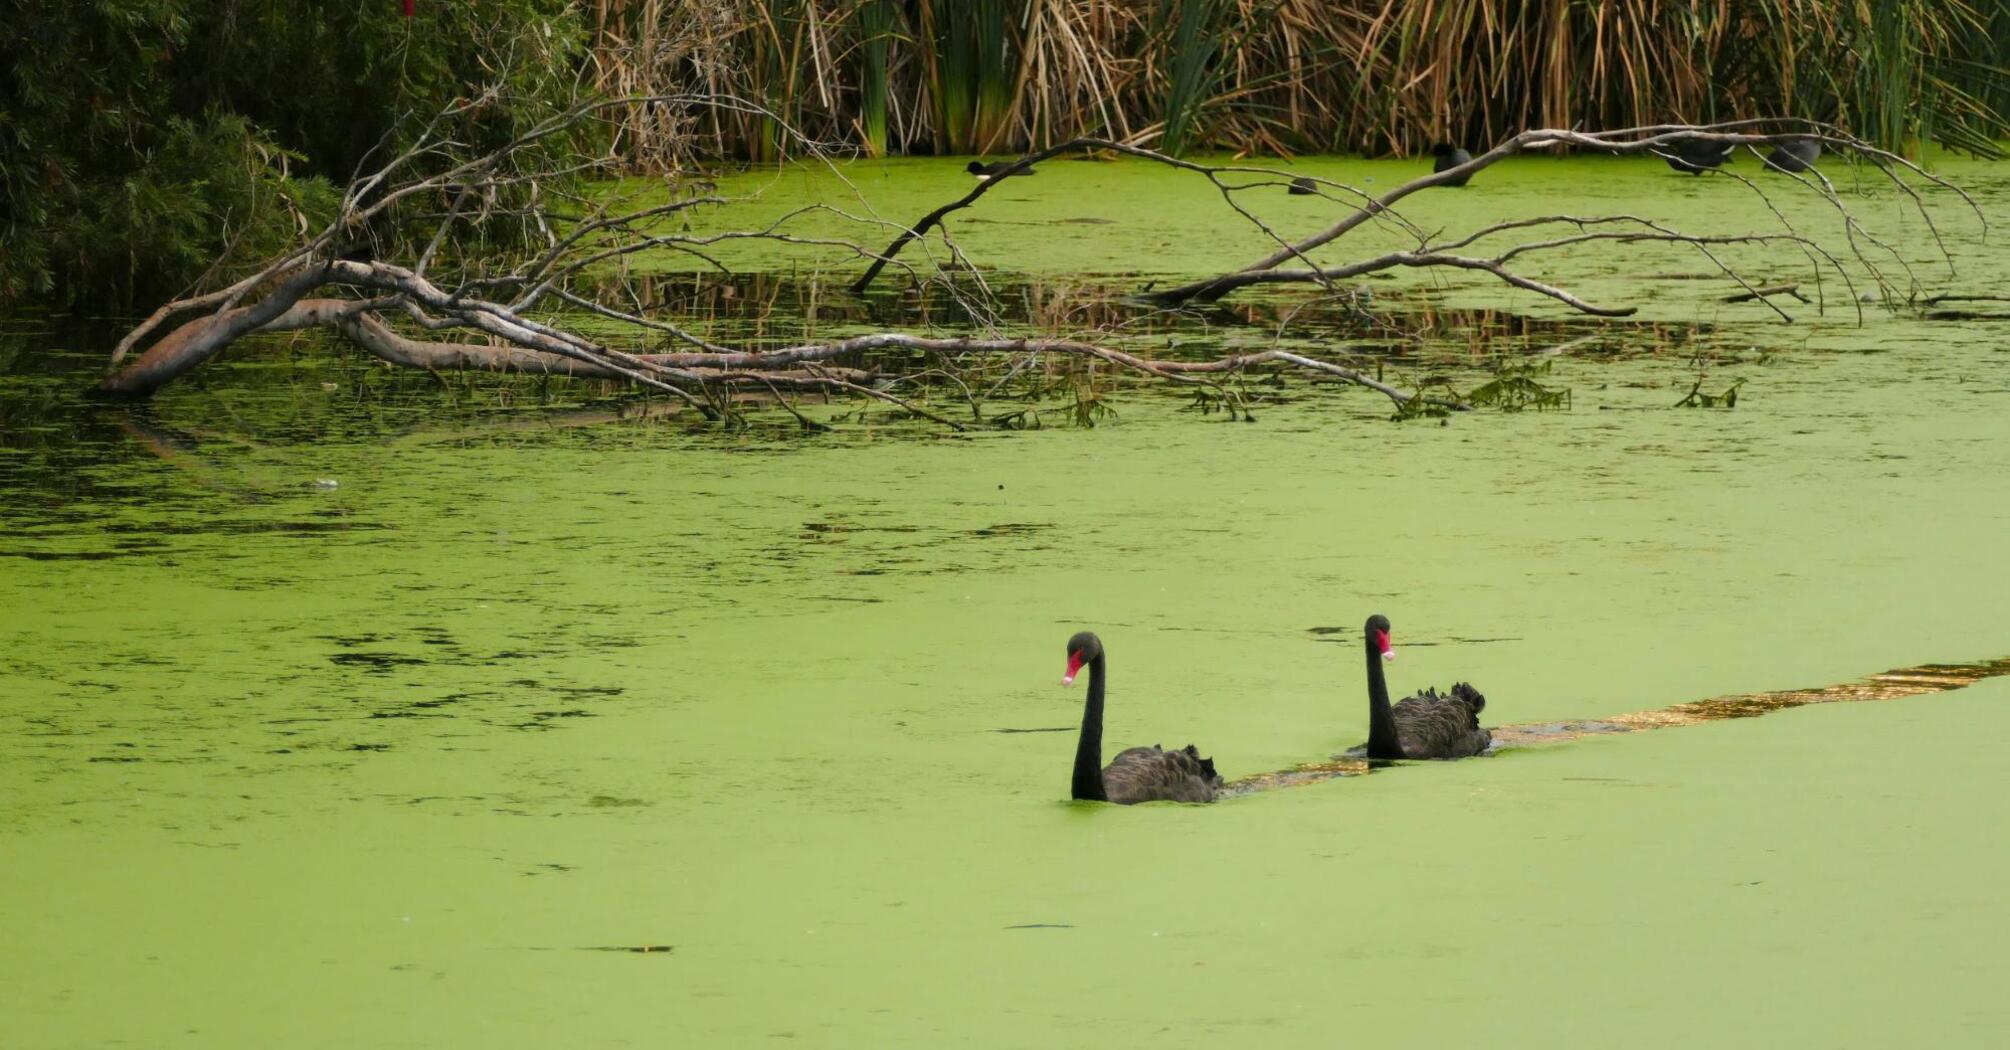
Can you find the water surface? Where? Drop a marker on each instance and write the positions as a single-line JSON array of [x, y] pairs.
[[398, 758]]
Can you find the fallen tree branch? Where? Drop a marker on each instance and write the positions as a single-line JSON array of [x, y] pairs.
[[554, 295], [1656, 139], [1215, 174], [798, 367], [201, 339]]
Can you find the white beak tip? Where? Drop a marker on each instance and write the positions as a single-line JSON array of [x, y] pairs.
[[1388, 654]]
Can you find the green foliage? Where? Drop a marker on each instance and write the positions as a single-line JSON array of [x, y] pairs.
[[143, 140], [1090, 406], [875, 30], [1233, 403], [969, 49], [1897, 72], [1192, 59], [1432, 400], [1515, 387], [1696, 398]]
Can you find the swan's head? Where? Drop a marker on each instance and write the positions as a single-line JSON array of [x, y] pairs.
[[1443, 149], [976, 168], [1378, 636], [1082, 649]]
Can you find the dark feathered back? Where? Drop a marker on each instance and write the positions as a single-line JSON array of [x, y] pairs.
[[1153, 774], [1429, 725], [1449, 157], [1695, 156], [1797, 155]]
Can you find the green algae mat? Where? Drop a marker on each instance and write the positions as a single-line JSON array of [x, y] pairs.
[[343, 720]]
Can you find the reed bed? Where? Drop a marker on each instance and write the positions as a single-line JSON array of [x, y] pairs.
[[1288, 76]]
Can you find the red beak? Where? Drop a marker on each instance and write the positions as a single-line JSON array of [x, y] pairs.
[[1074, 668], [1382, 645]]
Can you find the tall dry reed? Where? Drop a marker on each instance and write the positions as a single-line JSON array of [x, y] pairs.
[[1283, 76]]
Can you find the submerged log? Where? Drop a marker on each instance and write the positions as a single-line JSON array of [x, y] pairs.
[[195, 342]]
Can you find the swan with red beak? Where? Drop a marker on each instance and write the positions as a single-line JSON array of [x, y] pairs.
[[1426, 725], [1138, 774]]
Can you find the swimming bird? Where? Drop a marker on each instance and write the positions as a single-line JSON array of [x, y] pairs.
[[1695, 156], [1425, 725], [985, 171], [1302, 187], [1138, 774], [1449, 157], [1794, 155]]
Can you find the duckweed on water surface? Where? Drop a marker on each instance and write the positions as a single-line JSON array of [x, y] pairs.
[[377, 763]]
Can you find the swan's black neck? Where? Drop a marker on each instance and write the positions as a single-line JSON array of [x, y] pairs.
[[1381, 720], [1089, 751]]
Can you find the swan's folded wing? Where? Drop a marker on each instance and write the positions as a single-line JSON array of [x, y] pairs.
[[1433, 726], [1148, 774]]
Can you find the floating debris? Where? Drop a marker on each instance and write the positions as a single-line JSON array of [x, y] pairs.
[[1888, 685]]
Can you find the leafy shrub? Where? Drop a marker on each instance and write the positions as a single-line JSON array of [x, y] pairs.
[[140, 140]]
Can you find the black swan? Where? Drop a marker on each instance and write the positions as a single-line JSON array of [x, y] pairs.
[[1425, 725], [1139, 774], [1795, 155], [1449, 157], [985, 171], [1696, 156], [1302, 187]]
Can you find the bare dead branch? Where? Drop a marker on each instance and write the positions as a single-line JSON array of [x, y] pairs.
[[575, 257], [1654, 139]]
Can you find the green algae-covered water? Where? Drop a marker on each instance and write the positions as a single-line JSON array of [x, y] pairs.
[[417, 759]]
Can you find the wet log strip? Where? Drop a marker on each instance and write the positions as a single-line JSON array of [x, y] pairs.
[[1888, 685]]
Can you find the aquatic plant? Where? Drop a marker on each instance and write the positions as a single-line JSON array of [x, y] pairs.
[[875, 20], [1194, 46], [1696, 398], [1515, 386]]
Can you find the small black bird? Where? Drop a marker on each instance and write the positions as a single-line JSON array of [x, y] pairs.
[[1449, 157], [1794, 155], [985, 171], [1302, 187], [1695, 156]]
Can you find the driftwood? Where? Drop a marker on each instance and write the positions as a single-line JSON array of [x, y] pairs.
[[518, 310]]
